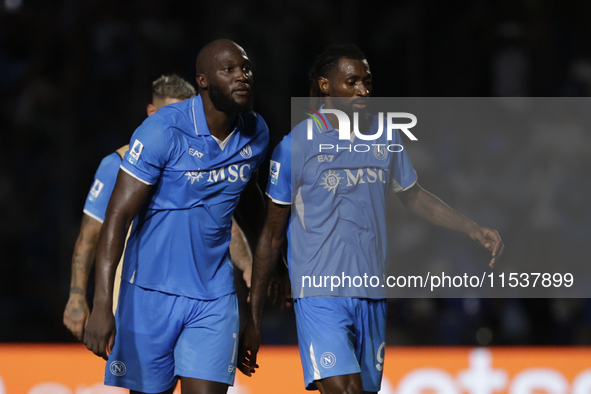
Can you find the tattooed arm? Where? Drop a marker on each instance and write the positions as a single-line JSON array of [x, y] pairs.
[[77, 312]]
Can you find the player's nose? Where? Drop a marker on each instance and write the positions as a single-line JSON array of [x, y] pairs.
[[362, 90]]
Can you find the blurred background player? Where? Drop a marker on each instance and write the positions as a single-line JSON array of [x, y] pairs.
[[341, 333], [181, 179], [166, 90]]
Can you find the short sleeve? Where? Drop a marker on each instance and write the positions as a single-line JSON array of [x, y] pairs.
[[279, 183], [149, 150], [263, 136], [404, 175], [102, 187]]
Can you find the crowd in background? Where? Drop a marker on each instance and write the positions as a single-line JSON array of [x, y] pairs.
[[75, 79]]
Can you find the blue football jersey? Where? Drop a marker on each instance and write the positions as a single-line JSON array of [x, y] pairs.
[[179, 243], [338, 196], [102, 187]]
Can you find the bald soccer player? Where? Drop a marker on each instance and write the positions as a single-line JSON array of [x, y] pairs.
[[167, 89], [181, 180]]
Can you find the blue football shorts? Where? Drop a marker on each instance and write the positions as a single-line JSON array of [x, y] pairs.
[[342, 336], [161, 337]]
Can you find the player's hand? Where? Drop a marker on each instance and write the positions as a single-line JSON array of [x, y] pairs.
[[76, 314], [248, 347], [490, 240], [99, 335]]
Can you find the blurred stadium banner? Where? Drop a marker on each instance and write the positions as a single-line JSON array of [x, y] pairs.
[[71, 369]]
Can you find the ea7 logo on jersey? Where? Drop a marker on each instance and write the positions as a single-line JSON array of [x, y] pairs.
[[246, 152], [96, 190], [194, 152], [135, 151], [274, 172], [325, 158]]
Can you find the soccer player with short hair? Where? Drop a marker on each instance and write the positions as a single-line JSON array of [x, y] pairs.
[[339, 226], [167, 89], [181, 180]]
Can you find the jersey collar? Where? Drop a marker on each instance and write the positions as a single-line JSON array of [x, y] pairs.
[[199, 121]]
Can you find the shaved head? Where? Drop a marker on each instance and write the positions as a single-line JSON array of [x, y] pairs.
[[224, 77], [211, 52]]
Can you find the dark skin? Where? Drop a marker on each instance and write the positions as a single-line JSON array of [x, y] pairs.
[[76, 312], [345, 89], [225, 63]]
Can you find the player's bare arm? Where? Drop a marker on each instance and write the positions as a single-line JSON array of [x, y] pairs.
[[76, 313], [240, 252], [265, 261], [250, 211], [126, 200], [431, 208]]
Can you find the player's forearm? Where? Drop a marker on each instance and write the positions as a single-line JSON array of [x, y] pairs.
[[109, 250], [239, 249], [431, 208], [83, 256], [250, 212], [82, 260], [265, 261]]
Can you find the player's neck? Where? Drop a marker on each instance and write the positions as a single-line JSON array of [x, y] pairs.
[[219, 123]]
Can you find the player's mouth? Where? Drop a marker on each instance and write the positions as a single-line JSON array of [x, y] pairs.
[[241, 91], [359, 104]]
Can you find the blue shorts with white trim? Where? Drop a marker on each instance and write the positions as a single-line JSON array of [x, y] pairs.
[[342, 336], [161, 337]]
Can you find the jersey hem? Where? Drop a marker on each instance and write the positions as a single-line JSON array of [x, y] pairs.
[[200, 297]]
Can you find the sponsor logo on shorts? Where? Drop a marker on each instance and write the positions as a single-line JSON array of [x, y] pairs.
[[274, 171], [135, 151], [328, 360], [246, 152], [117, 368], [96, 190]]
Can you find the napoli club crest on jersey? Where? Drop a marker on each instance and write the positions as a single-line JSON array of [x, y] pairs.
[[380, 152], [246, 152], [135, 152]]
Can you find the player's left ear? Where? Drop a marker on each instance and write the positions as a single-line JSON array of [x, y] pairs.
[[151, 109], [324, 85], [201, 81]]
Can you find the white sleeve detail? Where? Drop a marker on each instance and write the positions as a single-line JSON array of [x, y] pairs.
[[277, 201], [135, 176], [396, 188], [92, 215]]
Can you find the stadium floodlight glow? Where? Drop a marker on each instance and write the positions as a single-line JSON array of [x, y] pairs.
[[345, 124]]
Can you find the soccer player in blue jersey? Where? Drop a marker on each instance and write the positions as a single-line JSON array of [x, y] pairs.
[[167, 89], [337, 225], [181, 180]]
